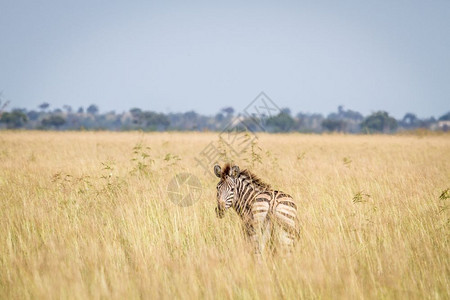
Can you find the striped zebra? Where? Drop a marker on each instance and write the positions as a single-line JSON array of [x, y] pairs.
[[269, 216]]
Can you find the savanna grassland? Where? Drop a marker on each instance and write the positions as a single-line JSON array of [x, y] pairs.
[[87, 215]]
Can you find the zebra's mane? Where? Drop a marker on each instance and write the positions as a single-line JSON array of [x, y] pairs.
[[225, 170], [254, 179], [247, 174]]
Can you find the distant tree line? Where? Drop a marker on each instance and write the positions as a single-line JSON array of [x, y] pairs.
[[90, 118]]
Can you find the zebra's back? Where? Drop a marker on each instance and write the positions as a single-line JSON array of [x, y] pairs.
[[285, 214], [274, 214]]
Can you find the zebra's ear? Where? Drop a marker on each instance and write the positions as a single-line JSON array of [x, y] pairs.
[[234, 172], [217, 170]]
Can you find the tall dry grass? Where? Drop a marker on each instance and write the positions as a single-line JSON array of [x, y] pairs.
[[83, 215]]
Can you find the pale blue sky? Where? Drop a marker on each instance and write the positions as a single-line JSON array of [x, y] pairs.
[[175, 56]]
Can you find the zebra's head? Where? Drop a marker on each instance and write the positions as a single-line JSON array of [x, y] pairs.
[[226, 188]]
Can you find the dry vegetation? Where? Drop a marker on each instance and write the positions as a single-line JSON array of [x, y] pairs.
[[87, 215]]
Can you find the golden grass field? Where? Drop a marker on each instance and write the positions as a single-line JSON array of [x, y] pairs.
[[83, 216]]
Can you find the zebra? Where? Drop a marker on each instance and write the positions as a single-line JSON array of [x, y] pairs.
[[269, 216]]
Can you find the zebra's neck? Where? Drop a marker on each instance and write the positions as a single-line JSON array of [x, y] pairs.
[[246, 190]]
